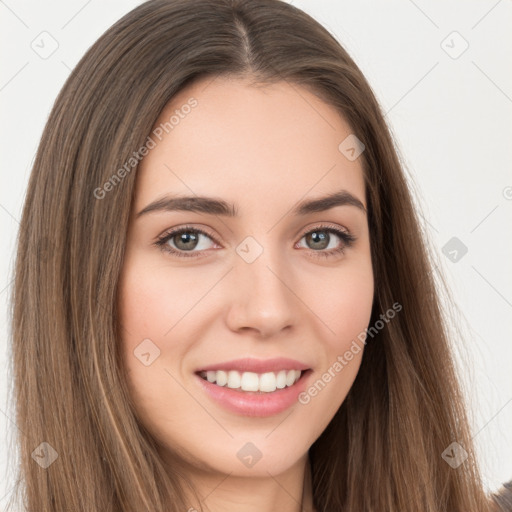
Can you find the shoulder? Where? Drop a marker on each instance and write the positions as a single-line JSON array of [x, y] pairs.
[[502, 499]]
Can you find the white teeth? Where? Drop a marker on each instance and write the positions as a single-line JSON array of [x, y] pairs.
[[281, 379], [268, 382], [290, 377], [234, 379], [250, 381], [221, 378]]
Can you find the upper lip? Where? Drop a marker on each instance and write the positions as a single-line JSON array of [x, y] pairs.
[[256, 365]]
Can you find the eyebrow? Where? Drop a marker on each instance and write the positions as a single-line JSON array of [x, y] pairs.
[[215, 206]]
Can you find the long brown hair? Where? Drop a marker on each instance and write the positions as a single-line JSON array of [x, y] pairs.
[[383, 450]]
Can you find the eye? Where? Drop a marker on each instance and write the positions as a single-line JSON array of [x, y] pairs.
[[320, 238], [181, 242]]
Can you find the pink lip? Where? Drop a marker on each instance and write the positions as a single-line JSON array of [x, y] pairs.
[[248, 403], [249, 364]]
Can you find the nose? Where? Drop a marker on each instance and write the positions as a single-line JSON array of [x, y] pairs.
[[263, 299]]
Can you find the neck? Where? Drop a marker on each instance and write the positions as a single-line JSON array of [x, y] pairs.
[[290, 491]]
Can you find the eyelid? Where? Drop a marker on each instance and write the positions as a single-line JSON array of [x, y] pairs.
[[323, 225], [161, 240]]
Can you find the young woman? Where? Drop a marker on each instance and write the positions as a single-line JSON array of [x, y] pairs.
[[223, 298]]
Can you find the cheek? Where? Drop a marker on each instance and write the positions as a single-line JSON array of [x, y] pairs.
[[148, 311], [354, 306], [141, 303], [151, 303], [343, 304], [344, 308]]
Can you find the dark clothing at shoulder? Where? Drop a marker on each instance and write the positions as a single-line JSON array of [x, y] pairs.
[[503, 498]]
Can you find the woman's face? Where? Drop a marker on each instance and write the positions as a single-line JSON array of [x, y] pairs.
[[273, 281]]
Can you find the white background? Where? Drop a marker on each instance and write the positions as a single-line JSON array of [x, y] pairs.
[[451, 118]]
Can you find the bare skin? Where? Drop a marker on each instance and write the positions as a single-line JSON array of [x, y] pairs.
[[264, 149]]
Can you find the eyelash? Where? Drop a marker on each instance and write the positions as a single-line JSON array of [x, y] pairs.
[[347, 239]]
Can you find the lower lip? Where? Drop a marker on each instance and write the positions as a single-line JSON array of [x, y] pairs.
[[250, 403]]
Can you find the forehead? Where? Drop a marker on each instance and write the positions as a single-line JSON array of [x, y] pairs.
[[226, 138]]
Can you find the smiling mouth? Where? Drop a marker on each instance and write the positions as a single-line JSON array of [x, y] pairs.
[[254, 383]]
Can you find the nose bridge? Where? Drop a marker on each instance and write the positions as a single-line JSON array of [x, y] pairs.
[[260, 263], [263, 299]]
